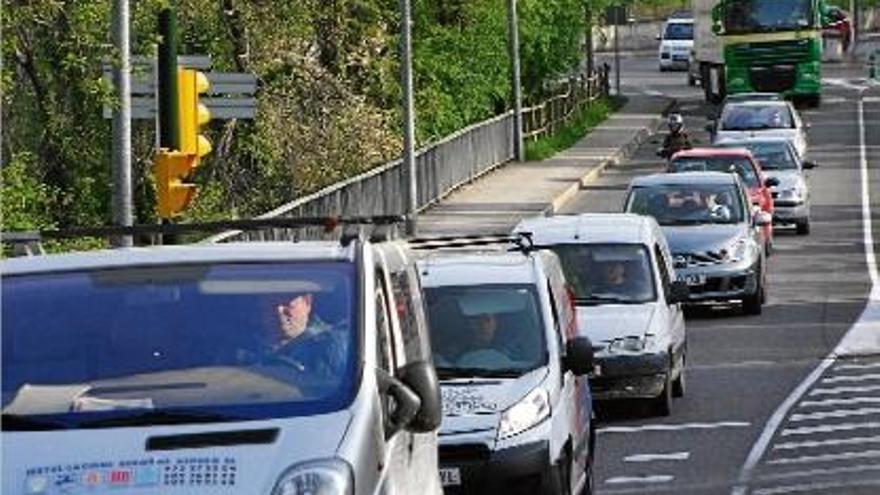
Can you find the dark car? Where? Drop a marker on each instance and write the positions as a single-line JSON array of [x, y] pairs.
[[713, 231]]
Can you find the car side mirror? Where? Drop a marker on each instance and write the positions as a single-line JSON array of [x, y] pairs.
[[579, 356], [404, 404], [809, 165], [421, 378], [771, 182], [763, 218], [679, 292]]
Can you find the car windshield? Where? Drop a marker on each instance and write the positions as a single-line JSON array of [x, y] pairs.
[[608, 273], [771, 155], [758, 16], [688, 204], [755, 117], [679, 31], [485, 330], [192, 343], [742, 166]]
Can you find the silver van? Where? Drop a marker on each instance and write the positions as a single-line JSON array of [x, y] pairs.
[[517, 410], [271, 368]]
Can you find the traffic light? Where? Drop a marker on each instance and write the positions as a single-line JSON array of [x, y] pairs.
[[170, 168], [192, 113]]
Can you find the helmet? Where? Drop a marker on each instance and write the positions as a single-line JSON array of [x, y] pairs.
[[675, 122]]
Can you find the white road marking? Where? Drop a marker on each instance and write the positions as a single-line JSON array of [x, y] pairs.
[[671, 456], [842, 456], [872, 99], [674, 427], [809, 430], [862, 337], [826, 443], [844, 390], [811, 473], [852, 401], [855, 378], [857, 367], [816, 487], [657, 478], [840, 413]]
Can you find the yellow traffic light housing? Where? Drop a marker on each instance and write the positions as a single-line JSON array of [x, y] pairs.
[[192, 113], [169, 169]]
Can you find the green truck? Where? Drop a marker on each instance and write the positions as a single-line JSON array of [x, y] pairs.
[[759, 46]]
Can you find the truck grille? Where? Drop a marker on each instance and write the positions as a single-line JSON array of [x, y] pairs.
[[789, 52]]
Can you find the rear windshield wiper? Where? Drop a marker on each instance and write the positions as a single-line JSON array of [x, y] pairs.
[[21, 422], [158, 418]]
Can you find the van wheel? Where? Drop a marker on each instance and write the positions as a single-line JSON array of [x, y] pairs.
[[662, 404], [559, 480], [589, 485], [679, 386], [803, 227]]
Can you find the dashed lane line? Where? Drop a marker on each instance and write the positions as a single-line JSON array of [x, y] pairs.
[[674, 427], [670, 456], [655, 478]]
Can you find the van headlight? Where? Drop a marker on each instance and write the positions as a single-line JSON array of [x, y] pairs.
[[631, 344], [525, 414], [326, 477]]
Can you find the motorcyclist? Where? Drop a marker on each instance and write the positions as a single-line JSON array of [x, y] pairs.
[[677, 139]]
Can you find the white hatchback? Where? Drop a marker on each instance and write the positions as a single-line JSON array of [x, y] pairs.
[[620, 272]]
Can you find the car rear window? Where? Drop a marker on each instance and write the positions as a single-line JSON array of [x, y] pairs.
[[742, 166]]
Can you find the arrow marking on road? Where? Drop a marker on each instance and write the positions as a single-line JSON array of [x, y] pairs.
[[672, 456]]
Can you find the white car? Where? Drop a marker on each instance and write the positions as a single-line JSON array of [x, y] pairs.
[[620, 271], [761, 119], [517, 412], [676, 43]]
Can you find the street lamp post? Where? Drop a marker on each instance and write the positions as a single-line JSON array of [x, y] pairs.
[[406, 76], [519, 151], [121, 165]]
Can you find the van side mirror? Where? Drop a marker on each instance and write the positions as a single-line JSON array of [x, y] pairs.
[[771, 182], [809, 164], [679, 292], [403, 406], [579, 356], [421, 378]]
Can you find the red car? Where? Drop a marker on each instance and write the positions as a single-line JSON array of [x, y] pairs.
[[739, 160]]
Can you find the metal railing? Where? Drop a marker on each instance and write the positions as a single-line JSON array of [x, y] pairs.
[[441, 167]]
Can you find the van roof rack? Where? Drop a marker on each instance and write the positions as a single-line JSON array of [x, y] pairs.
[[521, 241], [328, 224]]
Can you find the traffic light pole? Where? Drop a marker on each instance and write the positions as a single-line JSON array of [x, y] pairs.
[[169, 126], [121, 166], [406, 76]]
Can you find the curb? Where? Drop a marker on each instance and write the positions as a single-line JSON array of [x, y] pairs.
[[622, 153]]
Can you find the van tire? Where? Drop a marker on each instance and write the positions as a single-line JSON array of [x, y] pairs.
[[558, 481], [679, 386], [662, 404], [589, 481]]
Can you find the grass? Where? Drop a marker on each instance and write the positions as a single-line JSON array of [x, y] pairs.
[[565, 138]]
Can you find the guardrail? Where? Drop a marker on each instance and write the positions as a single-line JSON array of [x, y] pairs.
[[441, 167]]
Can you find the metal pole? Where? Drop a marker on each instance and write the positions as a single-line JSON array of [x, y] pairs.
[[856, 27], [121, 168], [519, 150], [616, 59], [409, 159], [169, 127]]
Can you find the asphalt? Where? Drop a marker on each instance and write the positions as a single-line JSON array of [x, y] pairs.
[[742, 369]]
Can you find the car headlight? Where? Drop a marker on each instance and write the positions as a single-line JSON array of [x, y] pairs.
[[737, 251], [793, 194], [631, 344], [525, 414], [326, 477]]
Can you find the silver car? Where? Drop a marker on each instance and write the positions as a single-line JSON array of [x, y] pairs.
[[778, 159], [761, 119]]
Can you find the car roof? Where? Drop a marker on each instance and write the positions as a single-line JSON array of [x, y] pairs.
[[176, 255], [757, 96], [684, 179], [710, 152], [757, 103], [733, 141], [478, 268], [591, 228]]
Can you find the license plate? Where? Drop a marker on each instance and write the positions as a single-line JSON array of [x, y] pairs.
[[693, 279], [450, 476], [597, 370]]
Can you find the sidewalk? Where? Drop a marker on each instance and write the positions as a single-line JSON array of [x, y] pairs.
[[498, 200]]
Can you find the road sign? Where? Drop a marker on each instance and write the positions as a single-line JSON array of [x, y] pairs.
[[231, 93]]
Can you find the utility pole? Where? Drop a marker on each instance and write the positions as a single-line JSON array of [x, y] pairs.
[[121, 166], [616, 59], [519, 151], [406, 76]]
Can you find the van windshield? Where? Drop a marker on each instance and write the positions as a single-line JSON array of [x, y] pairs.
[[177, 344], [486, 330], [608, 273], [679, 31]]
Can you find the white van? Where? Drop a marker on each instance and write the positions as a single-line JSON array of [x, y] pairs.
[[619, 268], [517, 413], [180, 370], [676, 43]]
